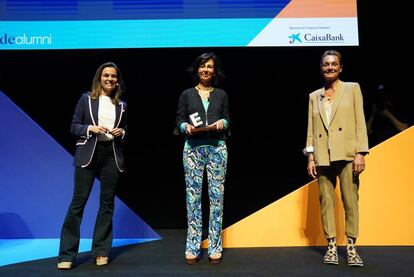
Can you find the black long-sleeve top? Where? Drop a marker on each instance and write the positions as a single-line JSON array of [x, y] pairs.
[[190, 102]]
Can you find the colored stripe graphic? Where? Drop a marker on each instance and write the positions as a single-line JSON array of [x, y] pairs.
[[37, 187], [385, 199], [17, 10], [129, 33]]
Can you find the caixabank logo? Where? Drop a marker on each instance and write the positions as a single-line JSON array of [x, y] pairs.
[[10, 40], [295, 39]]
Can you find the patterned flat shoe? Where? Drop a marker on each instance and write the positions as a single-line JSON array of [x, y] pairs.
[[353, 258], [331, 255]]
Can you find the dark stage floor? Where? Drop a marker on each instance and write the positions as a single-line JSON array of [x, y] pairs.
[[166, 258]]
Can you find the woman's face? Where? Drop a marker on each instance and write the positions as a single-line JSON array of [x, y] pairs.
[[109, 79], [206, 71], [331, 67]]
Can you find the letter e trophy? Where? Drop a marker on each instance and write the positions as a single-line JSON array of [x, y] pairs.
[[196, 120]]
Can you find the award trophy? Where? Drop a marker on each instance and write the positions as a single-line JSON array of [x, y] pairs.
[[196, 120]]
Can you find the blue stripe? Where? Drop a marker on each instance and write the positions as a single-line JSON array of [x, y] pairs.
[[132, 33], [18, 10], [22, 250]]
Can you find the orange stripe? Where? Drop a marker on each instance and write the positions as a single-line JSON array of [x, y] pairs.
[[319, 8], [386, 206]]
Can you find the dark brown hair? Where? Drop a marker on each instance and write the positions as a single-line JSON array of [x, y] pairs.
[[331, 53], [202, 59], [96, 88]]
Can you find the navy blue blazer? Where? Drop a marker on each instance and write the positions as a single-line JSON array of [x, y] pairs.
[[86, 113]]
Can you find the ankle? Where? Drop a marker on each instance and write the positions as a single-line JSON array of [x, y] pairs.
[[190, 256], [351, 240], [216, 255], [332, 241]]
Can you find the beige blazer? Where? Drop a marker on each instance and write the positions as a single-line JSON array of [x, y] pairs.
[[346, 133]]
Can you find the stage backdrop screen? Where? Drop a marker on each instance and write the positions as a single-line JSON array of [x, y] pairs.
[[84, 24]]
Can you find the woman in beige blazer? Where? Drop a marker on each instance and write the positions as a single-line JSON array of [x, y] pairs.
[[335, 146]]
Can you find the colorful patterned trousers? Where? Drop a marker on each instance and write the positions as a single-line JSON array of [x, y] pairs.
[[214, 160]]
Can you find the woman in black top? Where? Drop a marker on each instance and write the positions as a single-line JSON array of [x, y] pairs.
[[203, 117]]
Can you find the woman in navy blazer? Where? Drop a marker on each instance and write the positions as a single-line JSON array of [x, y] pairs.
[[99, 123]]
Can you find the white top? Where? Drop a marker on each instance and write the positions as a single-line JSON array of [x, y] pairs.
[[106, 116], [328, 112]]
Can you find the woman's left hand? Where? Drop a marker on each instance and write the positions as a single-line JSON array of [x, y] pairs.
[[219, 124], [359, 164], [116, 132]]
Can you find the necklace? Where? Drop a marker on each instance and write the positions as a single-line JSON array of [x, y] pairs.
[[204, 88], [204, 92], [329, 93]]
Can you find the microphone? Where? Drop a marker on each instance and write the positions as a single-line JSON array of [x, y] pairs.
[[322, 96], [208, 99]]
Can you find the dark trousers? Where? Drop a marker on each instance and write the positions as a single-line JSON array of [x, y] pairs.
[[103, 166]]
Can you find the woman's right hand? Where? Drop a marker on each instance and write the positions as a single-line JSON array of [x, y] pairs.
[[219, 124], [312, 167], [189, 128], [98, 129]]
